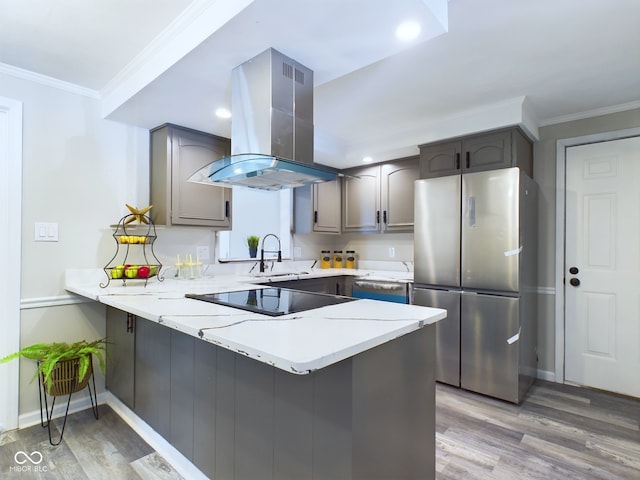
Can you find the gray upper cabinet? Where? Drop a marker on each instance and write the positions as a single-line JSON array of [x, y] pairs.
[[397, 194], [176, 153], [477, 153], [317, 207], [380, 198], [361, 200]]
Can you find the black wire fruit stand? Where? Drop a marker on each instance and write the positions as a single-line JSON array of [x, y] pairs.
[[134, 244]]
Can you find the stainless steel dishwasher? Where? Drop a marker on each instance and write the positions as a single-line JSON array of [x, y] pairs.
[[380, 289]]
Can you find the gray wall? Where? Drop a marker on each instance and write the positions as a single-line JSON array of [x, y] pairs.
[[545, 175]]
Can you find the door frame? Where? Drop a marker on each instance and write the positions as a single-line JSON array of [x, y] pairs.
[[561, 162], [11, 244]]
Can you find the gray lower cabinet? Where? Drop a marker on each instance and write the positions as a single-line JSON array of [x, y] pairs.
[[338, 285], [153, 375], [476, 153], [182, 383], [121, 355], [237, 418]]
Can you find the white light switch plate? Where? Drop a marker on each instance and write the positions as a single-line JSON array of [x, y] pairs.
[[45, 232]]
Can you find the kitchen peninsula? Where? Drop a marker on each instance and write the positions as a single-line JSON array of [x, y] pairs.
[[345, 391]]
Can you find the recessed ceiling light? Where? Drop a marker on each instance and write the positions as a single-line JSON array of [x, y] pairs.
[[223, 113], [367, 159], [408, 31]]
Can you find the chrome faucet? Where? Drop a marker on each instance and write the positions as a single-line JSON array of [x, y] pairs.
[[262, 250]]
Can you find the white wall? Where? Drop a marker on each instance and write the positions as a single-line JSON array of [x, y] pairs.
[[78, 171], [545, 174]]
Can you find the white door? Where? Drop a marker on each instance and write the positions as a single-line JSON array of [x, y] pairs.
[[602, 267]]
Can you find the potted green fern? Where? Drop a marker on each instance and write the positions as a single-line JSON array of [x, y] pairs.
[[55, 361], [252, 243]]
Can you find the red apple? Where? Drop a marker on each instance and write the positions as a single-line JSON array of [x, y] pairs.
[[143, 271]]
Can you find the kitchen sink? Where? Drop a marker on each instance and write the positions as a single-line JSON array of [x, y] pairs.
[[279, 274]]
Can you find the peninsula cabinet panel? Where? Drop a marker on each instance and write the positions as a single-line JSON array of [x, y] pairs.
[[487, 151], [254, 419], [236, 418], [182, 393], [204, 406], [120, 359], [176, 153], [293, 426], [152, 380], [225, 412]]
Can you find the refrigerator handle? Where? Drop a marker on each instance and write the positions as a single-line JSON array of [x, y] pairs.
[[458, 161], [472, 211]]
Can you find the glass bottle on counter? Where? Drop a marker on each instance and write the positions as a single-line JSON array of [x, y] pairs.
[[325, 259], [351, 259], [338, 259]]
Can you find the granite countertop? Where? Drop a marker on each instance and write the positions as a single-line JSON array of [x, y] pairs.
[[298, 343]]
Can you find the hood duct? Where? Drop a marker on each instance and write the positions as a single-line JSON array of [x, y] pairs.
[[271, 129]]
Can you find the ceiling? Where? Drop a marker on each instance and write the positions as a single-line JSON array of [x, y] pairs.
[[494, 62]]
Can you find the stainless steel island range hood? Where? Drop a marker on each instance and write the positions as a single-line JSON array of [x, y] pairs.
[[271, 129]]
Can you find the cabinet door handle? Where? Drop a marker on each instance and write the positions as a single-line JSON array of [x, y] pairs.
[[226, 209], [468, 159], [458, 161], [315, 216], [130, 322], [384, 216], [378, 216]]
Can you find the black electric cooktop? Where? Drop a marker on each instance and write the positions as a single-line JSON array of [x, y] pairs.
[[273, 301]]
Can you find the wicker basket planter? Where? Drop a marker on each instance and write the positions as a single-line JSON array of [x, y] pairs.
[[62, 370], [65, 378]]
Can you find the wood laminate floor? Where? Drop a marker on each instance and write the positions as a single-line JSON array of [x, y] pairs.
[[106, 448], [558, 432]]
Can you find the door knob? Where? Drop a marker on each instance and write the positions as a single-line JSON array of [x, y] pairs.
[[573, 270], [575, 282]]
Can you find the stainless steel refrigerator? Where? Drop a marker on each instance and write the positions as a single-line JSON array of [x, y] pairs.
[[475, 255]]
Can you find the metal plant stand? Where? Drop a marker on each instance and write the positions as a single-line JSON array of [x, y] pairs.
[[65, 381]]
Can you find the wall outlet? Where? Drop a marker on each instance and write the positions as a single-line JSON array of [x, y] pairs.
[[392, 252], [203, 254]]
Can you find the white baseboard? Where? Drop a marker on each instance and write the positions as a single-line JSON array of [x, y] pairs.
[[178, 461], [546, 375], [78, 403]]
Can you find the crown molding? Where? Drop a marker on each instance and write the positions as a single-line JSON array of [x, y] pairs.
[[194, 25], [590, 113], [48, 81]]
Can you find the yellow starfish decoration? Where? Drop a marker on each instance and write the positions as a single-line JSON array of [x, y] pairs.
[[137, 214]]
